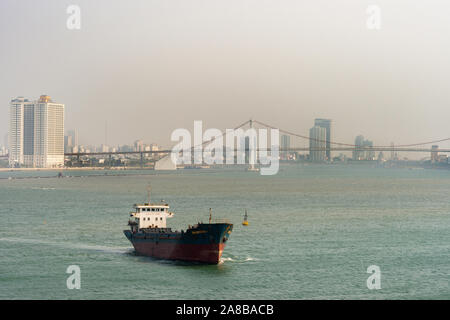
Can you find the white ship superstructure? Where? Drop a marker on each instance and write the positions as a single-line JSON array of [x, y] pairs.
[[150, 215]]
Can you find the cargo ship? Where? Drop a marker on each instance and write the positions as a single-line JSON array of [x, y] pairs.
[[203, 242]]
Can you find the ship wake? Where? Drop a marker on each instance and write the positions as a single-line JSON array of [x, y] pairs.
[[237, 259], [68, 245]]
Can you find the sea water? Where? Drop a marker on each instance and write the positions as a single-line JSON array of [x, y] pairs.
[[313, 232]]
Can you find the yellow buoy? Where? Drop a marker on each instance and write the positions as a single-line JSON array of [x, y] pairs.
[[245, 222]]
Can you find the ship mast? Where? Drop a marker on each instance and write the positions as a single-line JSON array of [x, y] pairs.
[[149, 189]]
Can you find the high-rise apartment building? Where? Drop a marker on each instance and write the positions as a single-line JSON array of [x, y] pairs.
[[16, 131], [317, 144], [36, 132], [326, 124], [19, 137]]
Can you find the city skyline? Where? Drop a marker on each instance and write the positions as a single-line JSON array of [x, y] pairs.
[[316, 140], [147, 78]]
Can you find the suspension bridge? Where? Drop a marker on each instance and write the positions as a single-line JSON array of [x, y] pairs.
[[424, 147]]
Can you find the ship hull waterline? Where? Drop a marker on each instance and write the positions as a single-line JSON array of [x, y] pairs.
[[206, 253], [206, 247]]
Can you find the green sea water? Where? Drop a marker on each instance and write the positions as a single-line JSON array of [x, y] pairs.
[[314, 230]]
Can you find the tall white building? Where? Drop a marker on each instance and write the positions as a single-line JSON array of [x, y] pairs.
[[16, 130], [36, 133]]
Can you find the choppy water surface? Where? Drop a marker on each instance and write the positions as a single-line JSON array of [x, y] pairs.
[[313, 232]]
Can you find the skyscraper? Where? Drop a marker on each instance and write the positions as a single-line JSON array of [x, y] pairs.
[[16, 131], [434, 153], [36, 133], [68, 144], [363, 149], [285, 144], [326, 124], [74, 135], [317, 144], [358, 153]]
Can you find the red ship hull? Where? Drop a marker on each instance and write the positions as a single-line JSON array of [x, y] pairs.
[[207, 253], [202, 243]]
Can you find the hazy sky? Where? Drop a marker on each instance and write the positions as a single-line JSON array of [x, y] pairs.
[[149, 67]]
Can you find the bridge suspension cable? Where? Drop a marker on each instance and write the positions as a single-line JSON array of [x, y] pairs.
[[347, 144], [223, 134]]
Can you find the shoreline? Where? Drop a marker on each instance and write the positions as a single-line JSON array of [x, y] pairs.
[[74, 169], [411, 166]]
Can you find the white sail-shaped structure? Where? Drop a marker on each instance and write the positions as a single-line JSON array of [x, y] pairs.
[[165, 163]]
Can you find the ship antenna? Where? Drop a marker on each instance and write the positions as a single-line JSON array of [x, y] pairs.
[[149, 189], [210, 215]]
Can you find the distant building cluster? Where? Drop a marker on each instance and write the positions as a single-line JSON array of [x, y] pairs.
[[436, 157], [71, 145], [104, 148], [139, 145], [36, 133]]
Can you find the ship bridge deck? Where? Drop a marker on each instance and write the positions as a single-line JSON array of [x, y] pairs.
[[158, 230]]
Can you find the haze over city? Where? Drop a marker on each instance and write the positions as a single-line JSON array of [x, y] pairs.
[[155, 66], [189, 155]]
